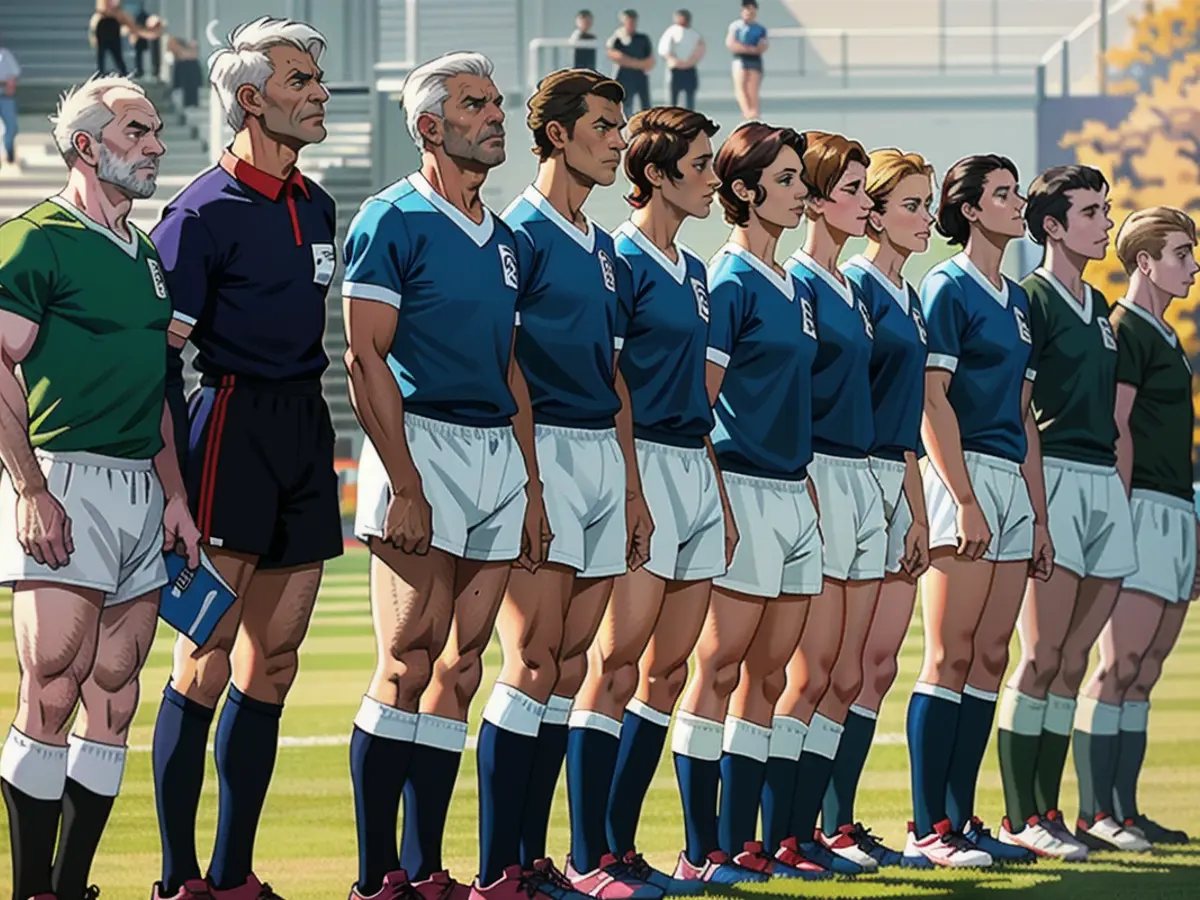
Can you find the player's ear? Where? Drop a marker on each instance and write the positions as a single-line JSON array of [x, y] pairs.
[[655, 175], [87, 147], [742, 192], [1143, 259], [557, 134], [970, 212], [429, 127], [251, 99], [875, 220], [1053, 228]]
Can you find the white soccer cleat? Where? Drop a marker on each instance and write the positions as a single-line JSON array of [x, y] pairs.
[[1054, 822], [1106, 833], [843, 844], [946, 848], [1038, 838]]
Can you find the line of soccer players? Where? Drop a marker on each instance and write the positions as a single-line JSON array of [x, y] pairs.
[[617, 457]]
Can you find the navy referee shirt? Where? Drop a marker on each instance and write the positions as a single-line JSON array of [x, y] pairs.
[[249, 259]]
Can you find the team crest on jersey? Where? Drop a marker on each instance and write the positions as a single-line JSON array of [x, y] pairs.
[[156, 275], [1106, 334], [1022, 325], [868, 325], [508, 266], [701, 298], [809, 320], [919, 321], [606, 269]]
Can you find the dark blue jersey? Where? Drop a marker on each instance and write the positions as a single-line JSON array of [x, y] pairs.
[[568, 321], [764, 332], [666, 340], [454, 284], [843, 417], [248, 260], [897, 359], [981, 335]]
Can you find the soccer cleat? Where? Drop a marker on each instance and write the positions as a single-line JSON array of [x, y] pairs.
[[1145, 827], [718, 868], [943, 848], [252, 889], [1053, 821], [1041, 840], [92, 893], [981, 836], [1106, 834], [548, 881], [396, 886], [843, 844], [440, 886], [672, 887], [796, 865], [515, 884], [883, 855], [755, 858], [196, 889], [816, 852], [610, 880]]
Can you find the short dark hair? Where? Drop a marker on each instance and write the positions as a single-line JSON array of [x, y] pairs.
[[1048, 196], [630, 13], [964, 185], [684, 14], [660, 136], [743, 157], [584, 12], [753, 3], [562, 97]]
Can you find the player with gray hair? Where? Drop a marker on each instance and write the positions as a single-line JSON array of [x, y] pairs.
[[91, 493], [248, 252]]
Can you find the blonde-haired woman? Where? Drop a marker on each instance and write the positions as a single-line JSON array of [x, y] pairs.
[[900, 186]]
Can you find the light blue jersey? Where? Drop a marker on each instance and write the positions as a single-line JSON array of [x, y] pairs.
[[454, 284], [897, 359], [764, 331], [981, 335], [569, 325], [666, 341], [843, 419]]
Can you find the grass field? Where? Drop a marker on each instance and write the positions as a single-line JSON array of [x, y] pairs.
[[306, 846]]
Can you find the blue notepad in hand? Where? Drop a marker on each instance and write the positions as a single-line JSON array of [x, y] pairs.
[[194, 600]]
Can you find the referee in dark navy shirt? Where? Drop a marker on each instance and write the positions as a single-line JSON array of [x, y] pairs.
[[249, 254], [633, 53]]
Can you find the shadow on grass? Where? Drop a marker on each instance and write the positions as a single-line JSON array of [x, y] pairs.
[[1162, 875]]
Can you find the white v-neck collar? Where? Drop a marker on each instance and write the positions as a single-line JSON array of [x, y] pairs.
[[1168, 335], [784, 285], [480, 233], [677, 269], [586, 240], [972, 271], [1085, 311], [900, 295], [129, 246], [842, 289]]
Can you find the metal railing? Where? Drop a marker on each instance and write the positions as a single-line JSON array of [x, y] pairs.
[[1077, 62]]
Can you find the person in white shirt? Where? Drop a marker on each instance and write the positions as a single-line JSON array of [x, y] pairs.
[[10, 71], [682, 47]]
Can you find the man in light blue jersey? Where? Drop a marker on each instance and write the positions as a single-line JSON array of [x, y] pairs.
[[431, 290], [576, 422]]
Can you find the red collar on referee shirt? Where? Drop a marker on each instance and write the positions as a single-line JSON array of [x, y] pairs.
[[266, 184]]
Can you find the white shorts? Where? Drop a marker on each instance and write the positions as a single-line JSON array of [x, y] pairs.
[[1003, 496], [779, 550], [680, 486], [116, 510], [1090, 524], [852, 520], [896, 511], [473, 479], [583, 487], [1164, 533]]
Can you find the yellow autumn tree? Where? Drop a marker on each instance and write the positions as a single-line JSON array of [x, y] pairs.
[[1152, 158], [1163, 34]]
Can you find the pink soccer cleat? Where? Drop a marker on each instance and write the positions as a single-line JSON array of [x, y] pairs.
[[196, 889], [611, 880], [440, 886], [396, 886], [253, 889]]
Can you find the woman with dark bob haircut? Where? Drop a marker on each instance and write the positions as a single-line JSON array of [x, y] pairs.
[[761, 344], [987, 534]]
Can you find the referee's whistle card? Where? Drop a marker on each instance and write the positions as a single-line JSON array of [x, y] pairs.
[[194, 600]]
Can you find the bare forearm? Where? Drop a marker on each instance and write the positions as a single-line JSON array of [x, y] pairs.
[[1035, 475], [523, 424], [943, 442], [16, 453], [1125, 460], [712, 458], [379, 408], [914, 490], [166, 462]]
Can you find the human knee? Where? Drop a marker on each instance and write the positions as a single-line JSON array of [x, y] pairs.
[[724, 679], [819, 678], [408, 672], [461, 675], [883, 674], [665, 689], [619, 681], [950, 669], [1044, 665], [275, 677], [773, 684], [846, 682], [50, 698]]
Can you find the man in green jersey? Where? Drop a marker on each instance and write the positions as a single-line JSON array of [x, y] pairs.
[[91, 493], [1154, 456], [1074, 358]]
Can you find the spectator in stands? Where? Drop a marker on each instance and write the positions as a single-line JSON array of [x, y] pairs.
[[747, 41], [142, 45], [585, 57], [104, 33], [10, 71], [185, 69], [683, 48], [633, 54]]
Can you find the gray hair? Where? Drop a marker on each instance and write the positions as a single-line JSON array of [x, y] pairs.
[[425, 90], [245, 60], [82, 108]]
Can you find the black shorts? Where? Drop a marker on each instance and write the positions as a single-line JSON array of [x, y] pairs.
[[260, 470]]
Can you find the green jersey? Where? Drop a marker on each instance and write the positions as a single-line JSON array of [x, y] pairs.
[[96, 372], [1150, 359], [1074, 357]]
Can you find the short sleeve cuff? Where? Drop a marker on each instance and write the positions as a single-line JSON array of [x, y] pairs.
[[517, 320], [717, 357], [379, 294], [941, 361], [618, 343], [1031, 374], [183, 317]]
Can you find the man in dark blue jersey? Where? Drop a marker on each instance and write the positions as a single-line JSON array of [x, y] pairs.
[[248, 249]]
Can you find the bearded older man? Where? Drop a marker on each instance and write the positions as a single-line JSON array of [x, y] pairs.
[[92, 494]]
